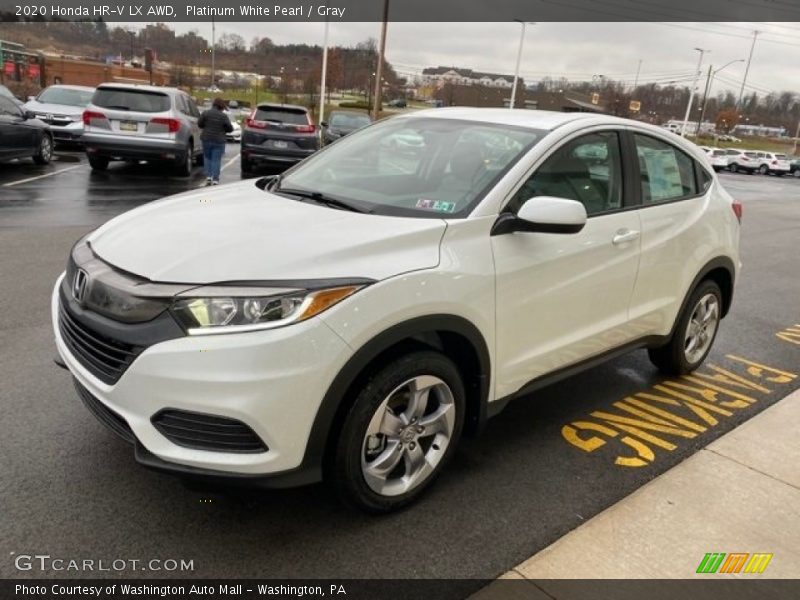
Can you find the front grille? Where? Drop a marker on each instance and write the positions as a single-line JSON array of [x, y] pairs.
[[104, 414], [105, 358], [207, 432]]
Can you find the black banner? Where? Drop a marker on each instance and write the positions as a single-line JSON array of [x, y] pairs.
[[402, 10], [418, 589]]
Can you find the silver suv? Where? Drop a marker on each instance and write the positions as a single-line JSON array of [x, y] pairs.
[[141, 122]]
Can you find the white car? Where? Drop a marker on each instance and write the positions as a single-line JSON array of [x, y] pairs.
[[739, 160], [773, 163], [61, 107], [717, 158], [351, 318], [236, 134]]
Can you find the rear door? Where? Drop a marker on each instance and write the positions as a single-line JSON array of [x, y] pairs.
[[781, 162], [134, 112], [674, 191], [16, 137], [190, 114]]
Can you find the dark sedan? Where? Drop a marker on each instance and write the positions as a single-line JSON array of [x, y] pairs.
[[794, 167], [22, 135], [340, 123]]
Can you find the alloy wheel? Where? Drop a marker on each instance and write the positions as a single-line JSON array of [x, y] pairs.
[[701, 328], [408, 435]]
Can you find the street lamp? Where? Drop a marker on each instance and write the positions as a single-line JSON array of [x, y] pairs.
[[691, 92], [709, 83], [519, 59]]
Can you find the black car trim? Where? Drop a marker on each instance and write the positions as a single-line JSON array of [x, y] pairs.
[[334, 404]]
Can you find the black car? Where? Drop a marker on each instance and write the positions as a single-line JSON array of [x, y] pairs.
[[340, 123], [794, 167], [398, 103], [277, 135], [22, 134]]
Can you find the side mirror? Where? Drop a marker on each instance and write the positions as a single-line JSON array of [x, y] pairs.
[[544, 214], [324, 123], [31, 98], [28, 114]]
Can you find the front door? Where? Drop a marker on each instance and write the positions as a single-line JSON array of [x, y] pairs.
[[563, 298]]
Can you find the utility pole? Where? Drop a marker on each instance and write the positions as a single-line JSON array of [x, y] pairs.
[[747, 70], [796, 135], [376, 107], [710, 82], [691, 92], [322, 79], [213, 53], [705, 100], [519, 60], [636, 80]]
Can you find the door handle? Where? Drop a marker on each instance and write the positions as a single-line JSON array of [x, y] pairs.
[[624, 235]]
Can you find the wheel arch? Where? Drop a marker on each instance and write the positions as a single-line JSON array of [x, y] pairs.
[[721, 271], [454, 336]]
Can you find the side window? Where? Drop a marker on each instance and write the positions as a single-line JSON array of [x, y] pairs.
[[704, 178], [666, 172], [587, 169], [192, 107], [181, 104], [8, 108]]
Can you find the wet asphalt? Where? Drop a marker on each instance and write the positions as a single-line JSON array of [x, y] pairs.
[[70, 489]]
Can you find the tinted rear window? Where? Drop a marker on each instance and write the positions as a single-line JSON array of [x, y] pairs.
[[281, 115], [751, 154], [133, 100], [719, 153], [781, 157]]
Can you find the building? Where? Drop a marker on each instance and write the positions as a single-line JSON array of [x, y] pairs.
[[58, 69], [439, 76], [563, 102]]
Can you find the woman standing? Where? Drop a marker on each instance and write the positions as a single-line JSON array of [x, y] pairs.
[[215, 124]]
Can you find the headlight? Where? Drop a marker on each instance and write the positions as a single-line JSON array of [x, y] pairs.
[[204, 315]]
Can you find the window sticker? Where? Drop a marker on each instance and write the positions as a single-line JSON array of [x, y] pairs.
[[437, 205]]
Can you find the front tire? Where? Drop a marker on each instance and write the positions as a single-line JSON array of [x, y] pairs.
[[45, 150], [402, 429], [764, 170], [694, 333]]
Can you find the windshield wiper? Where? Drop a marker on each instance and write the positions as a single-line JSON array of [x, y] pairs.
[[319, 198], [117, 107]]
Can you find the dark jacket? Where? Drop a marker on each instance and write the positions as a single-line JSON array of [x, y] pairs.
[[215, 124]]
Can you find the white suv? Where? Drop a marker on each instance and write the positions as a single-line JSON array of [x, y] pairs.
[[352, 317], [774, 163]]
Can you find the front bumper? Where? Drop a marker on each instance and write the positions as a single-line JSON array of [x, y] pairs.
[[273, 381]]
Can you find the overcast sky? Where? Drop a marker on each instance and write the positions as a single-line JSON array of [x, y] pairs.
[[575, 50]]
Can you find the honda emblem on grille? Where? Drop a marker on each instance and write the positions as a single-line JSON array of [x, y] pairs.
[[79, 285], [49, 117]]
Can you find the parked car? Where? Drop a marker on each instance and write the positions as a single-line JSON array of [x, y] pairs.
[[340, 123], [718, 158], [794, 167], [61, 107], [398, 103], [773, 163], [142, 122], [236, 134], [351, 318], [742, 160], [22, 135], [4, 91], [277, 135]]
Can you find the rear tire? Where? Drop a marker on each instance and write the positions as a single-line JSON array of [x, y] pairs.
[[694, 333], [45, 151], [400, 432], [98, 163], [733, 168], [764, 170], [184, 167]]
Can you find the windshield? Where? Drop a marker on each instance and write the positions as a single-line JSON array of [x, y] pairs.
[[65, 96], [280, 115], [349, 121], [420, 167], [133, 100]]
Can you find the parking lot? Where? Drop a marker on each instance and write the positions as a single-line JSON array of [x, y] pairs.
[[71, 489]]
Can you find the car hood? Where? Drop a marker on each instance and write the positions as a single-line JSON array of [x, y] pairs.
[[239, 232], [58, 109]]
